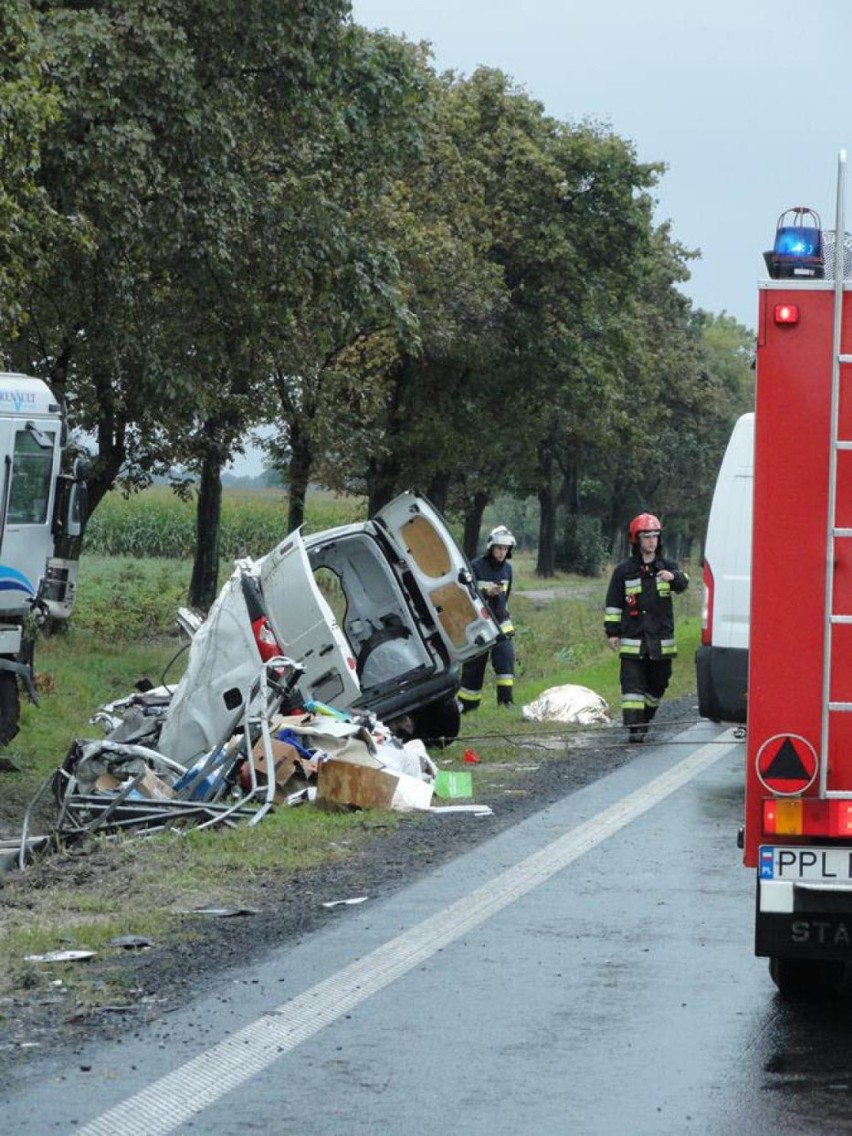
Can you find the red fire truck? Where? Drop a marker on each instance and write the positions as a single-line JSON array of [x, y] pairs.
[[798, 813]]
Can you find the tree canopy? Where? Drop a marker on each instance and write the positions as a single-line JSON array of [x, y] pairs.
[[215, 217]]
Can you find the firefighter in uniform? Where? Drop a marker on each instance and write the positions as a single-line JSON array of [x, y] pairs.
[[639, 622], [493, 575]]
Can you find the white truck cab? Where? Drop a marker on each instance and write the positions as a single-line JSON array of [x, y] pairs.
[[379, 615], [722, 658], [42, 517]]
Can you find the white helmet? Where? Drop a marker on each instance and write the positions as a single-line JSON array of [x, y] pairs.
[[501, 536]]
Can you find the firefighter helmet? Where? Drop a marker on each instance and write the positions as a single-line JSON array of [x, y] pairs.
[[501, 537], [644, 523]]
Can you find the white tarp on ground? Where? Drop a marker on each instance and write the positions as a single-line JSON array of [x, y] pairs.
[[569, 703]]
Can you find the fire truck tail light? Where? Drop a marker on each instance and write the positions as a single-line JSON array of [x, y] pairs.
[[787, 313], [782, 816], [807, 816]]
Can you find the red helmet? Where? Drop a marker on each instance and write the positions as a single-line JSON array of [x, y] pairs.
[[645, 522]]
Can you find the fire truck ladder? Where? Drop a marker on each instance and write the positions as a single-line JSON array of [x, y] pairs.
[[835, 533]]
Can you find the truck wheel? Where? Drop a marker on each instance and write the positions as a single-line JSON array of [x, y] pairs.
[[10, 707], [806, 978], [438, 723]]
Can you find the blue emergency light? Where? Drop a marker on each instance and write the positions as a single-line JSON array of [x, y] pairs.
[[797, 251]]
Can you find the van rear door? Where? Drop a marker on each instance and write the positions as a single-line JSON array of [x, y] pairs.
[[722, 658], [728, 546], [305, 625], [441, 574]]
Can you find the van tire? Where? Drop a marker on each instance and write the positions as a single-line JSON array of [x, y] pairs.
[[438, 724], [10, 707]]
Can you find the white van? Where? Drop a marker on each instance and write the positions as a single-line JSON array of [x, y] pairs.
[[408, 615], [721, 662]]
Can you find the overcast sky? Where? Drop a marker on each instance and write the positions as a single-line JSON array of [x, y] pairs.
[[748, 103]]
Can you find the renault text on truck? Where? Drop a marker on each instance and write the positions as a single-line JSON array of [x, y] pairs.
[[42, 516], [798, 810]]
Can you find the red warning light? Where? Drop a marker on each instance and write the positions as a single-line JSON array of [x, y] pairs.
[[787, 313]]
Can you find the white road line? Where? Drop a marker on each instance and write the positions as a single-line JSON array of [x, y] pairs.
[[188, 1090]]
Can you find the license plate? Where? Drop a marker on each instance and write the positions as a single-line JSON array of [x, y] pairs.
[[829, 864]]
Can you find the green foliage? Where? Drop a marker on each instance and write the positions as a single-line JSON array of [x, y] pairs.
[[581, 547], [125, 599], [28, 105], [521, 517], [157, 523]]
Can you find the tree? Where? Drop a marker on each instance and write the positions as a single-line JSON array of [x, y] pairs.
[[29, 105], [161, 105], [331, 285]]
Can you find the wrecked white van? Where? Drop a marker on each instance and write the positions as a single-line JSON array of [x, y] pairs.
[[378, 616]]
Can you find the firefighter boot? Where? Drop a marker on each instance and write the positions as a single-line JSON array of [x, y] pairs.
[[649, 713], [637, 728]]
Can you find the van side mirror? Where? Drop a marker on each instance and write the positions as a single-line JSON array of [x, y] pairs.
[[78, 509]]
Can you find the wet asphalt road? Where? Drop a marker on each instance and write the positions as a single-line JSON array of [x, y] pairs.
[[586, 972]]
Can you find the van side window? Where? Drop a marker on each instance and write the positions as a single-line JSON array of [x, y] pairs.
[[29, 494]]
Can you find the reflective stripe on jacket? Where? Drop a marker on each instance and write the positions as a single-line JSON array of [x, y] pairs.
[[486, 572], [639, 607]]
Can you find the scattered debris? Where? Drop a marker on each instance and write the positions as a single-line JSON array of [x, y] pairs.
[[474, 810], [569, 703], [471, 757], [274, 756], [131, 942], [168, 762], [346, 902], [224, 912], [450, 784], [61, 956]]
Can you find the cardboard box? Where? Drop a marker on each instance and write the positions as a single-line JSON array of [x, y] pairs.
[[287, 767], [347, 785], [151, 786]]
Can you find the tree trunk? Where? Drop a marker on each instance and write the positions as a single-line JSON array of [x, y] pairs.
[[204, 585], [546, 563], [105, 469], [299, 475], [473, 523], [112, 444], [569, 493], [382, 479], [615, 522], [383, 472], [439, 490]]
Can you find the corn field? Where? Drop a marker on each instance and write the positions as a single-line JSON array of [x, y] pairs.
[[156, 523]]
